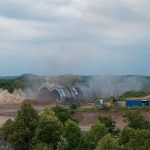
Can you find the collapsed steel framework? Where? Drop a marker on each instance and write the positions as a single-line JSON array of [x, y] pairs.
[[59, 92]]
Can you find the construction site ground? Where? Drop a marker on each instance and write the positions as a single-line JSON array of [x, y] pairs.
[[85, 118]]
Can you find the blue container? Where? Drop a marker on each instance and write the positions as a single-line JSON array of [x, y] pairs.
[[132, 103]]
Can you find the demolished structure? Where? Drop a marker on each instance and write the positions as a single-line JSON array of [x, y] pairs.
[[60, 93]]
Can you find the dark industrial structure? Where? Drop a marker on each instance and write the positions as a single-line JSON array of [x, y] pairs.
[[59, 93]]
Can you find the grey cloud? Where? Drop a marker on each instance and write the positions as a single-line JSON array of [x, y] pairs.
[[74, 36], [48, 11]]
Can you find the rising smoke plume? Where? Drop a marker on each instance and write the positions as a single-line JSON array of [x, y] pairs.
[[11, 98], [93, 87], [106, 86], [98, 86]]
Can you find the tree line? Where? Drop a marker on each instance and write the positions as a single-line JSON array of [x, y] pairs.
[[11, 84], [56, 129]]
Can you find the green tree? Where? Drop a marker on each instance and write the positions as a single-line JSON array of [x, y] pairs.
[[136, 120], [43, 146], [24, 127], [46, 113], [21, 131], [97, 131], [12, 84], [7, 129], [133, 93], [72, 134], [84, 144], [110, 124], [140, 141], [74, 107], [62, 144], [49, 128], [108, 143], [62, 113], [125, 136]]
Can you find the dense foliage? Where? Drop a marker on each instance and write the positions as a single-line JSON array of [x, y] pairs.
[[97, 132], [72, 134], [49, 130], [108, 143], [12, 84], [130, 94], [137, 121], [63, 114], [20, 131], [43, 146], [110, 125]]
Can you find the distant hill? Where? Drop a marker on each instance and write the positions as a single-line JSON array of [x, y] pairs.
[[101, 85], [8, 77]]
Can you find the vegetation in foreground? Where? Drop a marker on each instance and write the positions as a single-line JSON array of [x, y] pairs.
[[55, 129], [113, 108]]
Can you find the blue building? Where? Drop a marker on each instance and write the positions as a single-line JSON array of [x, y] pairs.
[[137, 102]]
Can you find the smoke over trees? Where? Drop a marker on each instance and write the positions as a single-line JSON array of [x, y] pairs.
[[106, 86], [27, 86]]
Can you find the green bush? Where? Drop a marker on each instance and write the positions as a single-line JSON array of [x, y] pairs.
[[49, 128], [43, 146], [63, 114], [108, 143], [72, 134], [97, 131], [110, 125], [136, 120], [140, 141], [130, 94], [12, 84], [19, 133]]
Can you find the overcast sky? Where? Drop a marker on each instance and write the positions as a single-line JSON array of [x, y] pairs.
[[74, 37]]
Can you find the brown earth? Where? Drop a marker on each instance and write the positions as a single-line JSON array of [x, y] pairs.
[[10, 110], [87, 118]]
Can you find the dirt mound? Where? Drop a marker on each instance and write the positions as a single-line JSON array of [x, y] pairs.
[[36, 102], [11, 98], [87, 118]]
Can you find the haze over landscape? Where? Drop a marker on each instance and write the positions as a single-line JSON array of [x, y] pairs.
[[74, 37], [74, 74]]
